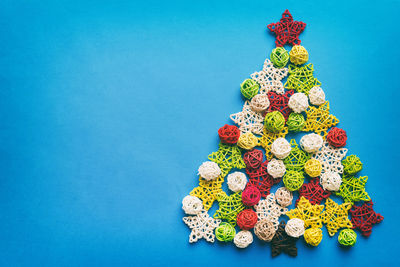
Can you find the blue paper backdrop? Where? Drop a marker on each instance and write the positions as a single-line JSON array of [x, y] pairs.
[[109, 107]]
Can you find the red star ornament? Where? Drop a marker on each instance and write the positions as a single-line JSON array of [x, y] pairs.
[[280, 102], [313, 191], [363, 217], [261, 179], [286, 30]]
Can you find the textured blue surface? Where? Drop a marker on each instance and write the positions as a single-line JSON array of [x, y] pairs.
[[108, 108]]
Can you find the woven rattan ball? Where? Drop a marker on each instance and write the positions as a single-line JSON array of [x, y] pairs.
[[265, 230], [209, 170], [192, 205], [281, 148], [259, 103], [298, 55], [313, 167]]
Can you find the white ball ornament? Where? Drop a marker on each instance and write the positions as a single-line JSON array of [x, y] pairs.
[[276, 168], [298, 102], [295, 227], [316, 96], [311, 143], [331, 181], [259, 103], [237, 181], [209, 170], [281, 148], [243, 239], [192, 205], [283, 196]]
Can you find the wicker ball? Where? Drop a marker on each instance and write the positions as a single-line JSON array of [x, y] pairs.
[[246, 219], [313, 167], [311, 143], [237, 181], [295, 122], [283, 196], [298, 55], [295, 227], [249, 88], [352, 164], [265, 229], [259, 103], [281, 148], [279, 57], [276, 168], [313, 236], [209, 170], [336, 137], [229, 134], [192, 205], [274, 121], [247, 141], [293, 180], [225, 232], [331, 181], [251, 195], [316, 96], [243, 239], [298, 102], [347, 237]]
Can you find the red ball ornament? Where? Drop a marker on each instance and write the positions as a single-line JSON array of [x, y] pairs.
[[251, 195], [253, 158], [246, 219], [229, 134], [337, 137]]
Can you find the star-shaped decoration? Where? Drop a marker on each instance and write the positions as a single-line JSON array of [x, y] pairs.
[[353, 189], [270, 78], [282, 242], [301, 78], [310, 214], [319, 120], [227, 157], [268, 138], [335, 216], [229, 207], [280, 103], [202, 226], [297, 158], [313, 191], [363, 217], [331, 158], [248, 120], [269, 208], [208, 190], [286, 30], [261, 179]]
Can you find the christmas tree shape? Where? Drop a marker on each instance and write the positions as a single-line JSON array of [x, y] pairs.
[[254, 155]]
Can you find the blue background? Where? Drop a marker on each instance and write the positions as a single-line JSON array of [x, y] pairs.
[[109, 107]]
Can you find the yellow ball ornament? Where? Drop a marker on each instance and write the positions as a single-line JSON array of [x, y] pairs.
[[313, 236], [247, 141], [313, 167], [298, 55]]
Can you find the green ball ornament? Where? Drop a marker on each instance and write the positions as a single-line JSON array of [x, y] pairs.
[[225, 232], [274, 121], [293, 180], [347, 237], [295, 122], [279, 57], [249, 88], [352, 164]]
